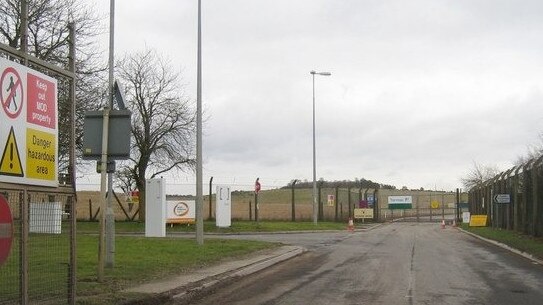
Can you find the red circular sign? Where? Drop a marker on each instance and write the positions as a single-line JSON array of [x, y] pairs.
[[6, 230], [11, 93]]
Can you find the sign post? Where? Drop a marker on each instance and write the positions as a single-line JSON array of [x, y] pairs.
[[257, 189]]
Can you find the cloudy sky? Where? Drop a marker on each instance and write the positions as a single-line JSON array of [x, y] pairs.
[[419, 89]]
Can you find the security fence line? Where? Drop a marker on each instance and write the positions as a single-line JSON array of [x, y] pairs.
[[523, 212], [296, 204]]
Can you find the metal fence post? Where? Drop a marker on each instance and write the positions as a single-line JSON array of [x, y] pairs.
[[210, 198], [319, 200], [349, 201], [250, 211], [24, 201], [256, 206], [417, 208], [336, 203], [534, 198], [73, 252], [442, 205], [293, 200]]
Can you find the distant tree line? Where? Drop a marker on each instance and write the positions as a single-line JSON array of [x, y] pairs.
[[357, 183]]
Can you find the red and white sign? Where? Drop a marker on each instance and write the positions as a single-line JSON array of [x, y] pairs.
[[12, 92], [6, 230], [257, 186], [41, 102]]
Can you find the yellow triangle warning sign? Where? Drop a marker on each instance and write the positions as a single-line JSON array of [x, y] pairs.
[[10, 164]]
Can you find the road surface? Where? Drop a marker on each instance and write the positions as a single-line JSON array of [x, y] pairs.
[[398, 263]]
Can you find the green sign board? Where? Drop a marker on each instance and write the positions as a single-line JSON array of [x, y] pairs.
[[400, 202]]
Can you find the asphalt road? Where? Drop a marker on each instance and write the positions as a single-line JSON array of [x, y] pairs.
[[400, 263]]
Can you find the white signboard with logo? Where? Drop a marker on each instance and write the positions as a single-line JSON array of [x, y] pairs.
[[223, 206], [466, 217], [180, 211]]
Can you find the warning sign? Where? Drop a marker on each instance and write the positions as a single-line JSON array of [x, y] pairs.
[[10, 164], [28, 126], [41, 102], [40, 159], [12, 92]]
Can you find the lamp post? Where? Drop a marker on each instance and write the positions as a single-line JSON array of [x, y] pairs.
[[199, 166], [315, 206]]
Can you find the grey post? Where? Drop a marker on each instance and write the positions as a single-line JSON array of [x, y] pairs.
[[293, 213], [110, 215], [315, 206], [210, 197], [199, 167]]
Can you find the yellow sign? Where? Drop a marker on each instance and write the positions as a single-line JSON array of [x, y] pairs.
[[435, 204], [40, 158], [363, 213], [478, 221], [331, 200], [10, 164]]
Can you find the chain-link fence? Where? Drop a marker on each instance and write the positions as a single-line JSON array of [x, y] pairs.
[[40, 265]]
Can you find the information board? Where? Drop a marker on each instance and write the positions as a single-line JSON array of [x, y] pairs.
[[400, 202]]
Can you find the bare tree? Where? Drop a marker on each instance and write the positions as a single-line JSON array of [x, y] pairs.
[[48, 40], [163, 121], [534, 152], [478, 175]]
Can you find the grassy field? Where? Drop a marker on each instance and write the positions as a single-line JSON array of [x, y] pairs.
[[140, 259], [528, 244], [210, 227], [137, 259]]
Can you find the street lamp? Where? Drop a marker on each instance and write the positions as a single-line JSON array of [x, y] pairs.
[[315, 206]]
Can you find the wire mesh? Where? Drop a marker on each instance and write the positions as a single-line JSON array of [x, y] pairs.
[[38, 268]]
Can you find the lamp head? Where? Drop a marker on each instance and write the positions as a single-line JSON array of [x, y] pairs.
[[320, 73]]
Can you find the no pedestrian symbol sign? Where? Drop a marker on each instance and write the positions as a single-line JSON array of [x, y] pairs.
[[28, 126], [12, 93]]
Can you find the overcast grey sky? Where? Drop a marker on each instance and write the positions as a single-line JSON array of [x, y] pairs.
[[419, 90]]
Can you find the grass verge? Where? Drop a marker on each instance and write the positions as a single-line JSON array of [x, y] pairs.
[[525, 243], [140, 260], [210, 227]]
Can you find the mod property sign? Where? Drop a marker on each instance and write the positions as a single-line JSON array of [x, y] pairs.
[[28, 126]]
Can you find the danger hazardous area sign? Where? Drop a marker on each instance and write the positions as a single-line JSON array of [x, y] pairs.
[[28, 126]]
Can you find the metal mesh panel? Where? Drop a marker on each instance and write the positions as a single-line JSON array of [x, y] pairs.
[[9, 271], [49, 248], [38, 268]]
